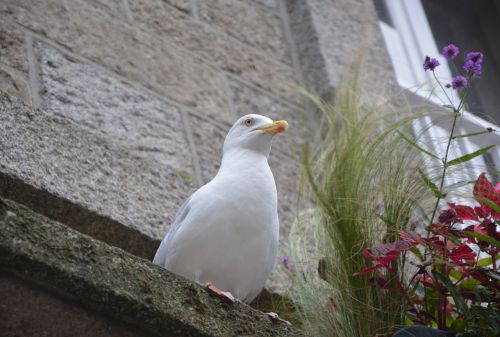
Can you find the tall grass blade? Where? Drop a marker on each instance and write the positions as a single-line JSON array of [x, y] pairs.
[[415, 145]]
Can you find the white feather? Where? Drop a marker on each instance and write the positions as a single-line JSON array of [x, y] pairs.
[[227, 232]]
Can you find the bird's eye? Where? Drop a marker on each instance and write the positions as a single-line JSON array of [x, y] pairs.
[[249, 122]]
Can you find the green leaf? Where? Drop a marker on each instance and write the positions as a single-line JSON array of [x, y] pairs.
[[455, 274], [458, 325], [417, 253], [454, 239], [430, 184], [493, 274], [459, 302], [415, 145], [473, 134], [486, 261], [489, 203], [469, 283], [469, 156], [489, 315], [483, 237]]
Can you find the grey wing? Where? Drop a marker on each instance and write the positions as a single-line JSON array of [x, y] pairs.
[[162, 251]]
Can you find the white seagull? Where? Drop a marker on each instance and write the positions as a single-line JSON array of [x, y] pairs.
[[226, 234]]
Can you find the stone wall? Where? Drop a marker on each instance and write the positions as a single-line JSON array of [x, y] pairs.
[[114, 111]]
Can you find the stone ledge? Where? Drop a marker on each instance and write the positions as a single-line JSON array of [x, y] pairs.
[[113, 282]]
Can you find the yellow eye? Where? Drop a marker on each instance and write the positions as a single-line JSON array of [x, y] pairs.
[[249, 122]]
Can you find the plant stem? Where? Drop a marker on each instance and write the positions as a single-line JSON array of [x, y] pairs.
[[442, 88], [456, 113], [445, 165]]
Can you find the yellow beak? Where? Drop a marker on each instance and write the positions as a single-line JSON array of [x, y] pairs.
[[276, 127]]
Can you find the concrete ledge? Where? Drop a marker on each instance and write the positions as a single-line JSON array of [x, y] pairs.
[[113, 282]]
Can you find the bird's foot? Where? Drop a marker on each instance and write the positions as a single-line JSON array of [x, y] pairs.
[[273, 317], [224, 295]]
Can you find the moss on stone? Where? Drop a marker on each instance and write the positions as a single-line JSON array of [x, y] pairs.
[[111, 281]]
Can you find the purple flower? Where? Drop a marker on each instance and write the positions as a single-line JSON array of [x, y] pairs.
[[430, 63], [450, 51], [287, 262], [474, 56], [285, 259], [379, 209], [459, 83], [473, 67]]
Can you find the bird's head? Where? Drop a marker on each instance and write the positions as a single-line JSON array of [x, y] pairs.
[[253, 132]]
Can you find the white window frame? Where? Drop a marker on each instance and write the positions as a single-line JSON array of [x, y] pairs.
[[408, 42]]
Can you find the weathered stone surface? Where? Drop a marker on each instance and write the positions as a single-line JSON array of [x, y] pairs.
[[15, 83], [268, 3], [249, 23], [360, 10], [286, 173], [111, 281], [58, 157], [30, 311], [249, 100], [12, 48], [327, 50], [90, 31], [215, 46], [95, 99], [185, 6], [117, 8], [209, 166], [208, 135]]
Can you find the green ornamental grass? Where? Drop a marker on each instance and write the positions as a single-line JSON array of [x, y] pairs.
[[361, 175]]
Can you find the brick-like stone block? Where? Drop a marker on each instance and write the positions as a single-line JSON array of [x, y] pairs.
[[12, 48], [209, 166], [327, 50], [14, 83], [360, 10], [286, 173], [70, 162], [268, 3], [208, 135], [249, 100], [185, 6], [250, 23], [90, 31], [94, 98], [118, 8], [214, 45]]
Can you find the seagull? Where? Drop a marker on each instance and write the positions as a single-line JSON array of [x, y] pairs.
[[226, 234]]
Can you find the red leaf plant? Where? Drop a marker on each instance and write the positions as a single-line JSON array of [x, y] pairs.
[[455, 269]]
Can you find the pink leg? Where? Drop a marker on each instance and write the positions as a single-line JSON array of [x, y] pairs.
[[273, 317], [224, 295]]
